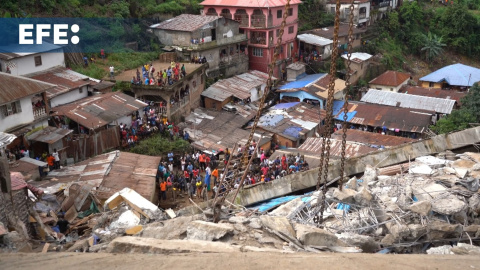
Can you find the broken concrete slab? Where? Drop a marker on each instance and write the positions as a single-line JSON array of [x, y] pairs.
[[442, 230], [170, 213], [208, 231], [126, 220], [286, 209], [239, 220], [169, 229], [312, 236], [345, 195], [387, 240], [449, 205], [398, 231], [255, 223], [136, 201], [366, 243], [423, 207], [134, 230], [131, 244], [369, 175], [459, 249], [421, 168], [363, 197], [278, 224]]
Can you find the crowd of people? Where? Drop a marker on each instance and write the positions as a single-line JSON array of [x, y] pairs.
[[152, 121], [52, 159], [150, 76], [198, 175]]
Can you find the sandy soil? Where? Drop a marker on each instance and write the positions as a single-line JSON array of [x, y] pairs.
[[239, 260], [128, 74]]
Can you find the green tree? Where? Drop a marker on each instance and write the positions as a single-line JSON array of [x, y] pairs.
[[432, 46]]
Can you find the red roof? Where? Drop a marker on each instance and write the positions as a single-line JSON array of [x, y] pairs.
[[18, 181], [249, 3], [391, 78], [433, 92], [369, 138]]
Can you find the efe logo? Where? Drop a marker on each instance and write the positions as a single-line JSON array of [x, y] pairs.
[[60, 32]]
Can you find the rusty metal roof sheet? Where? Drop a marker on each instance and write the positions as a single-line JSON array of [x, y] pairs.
[[402, 100], [65, 80], [391, 78], [49, 134], [185, 22], [433, 92], [371, 138], [239, 86], [358, 57], [317, 88], [102, 85], [380, 116], [100, 110], [6, 139], [107, 173], [249, 3], [13, 87], [215, 130]]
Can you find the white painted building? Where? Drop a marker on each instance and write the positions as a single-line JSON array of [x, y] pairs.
[[25, 63], [70, 85], [390, 81], [361, 11], [22, 102]]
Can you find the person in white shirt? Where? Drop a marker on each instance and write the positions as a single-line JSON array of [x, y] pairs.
[[112, 70], [57, 158]]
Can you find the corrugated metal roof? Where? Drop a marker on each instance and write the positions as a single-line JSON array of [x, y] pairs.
[[249, 3], [6, 51], [49, 134], [319, 88], [100, 110], [303, 82], [107, 173], [102, 85], [185, 22], [215, 130], [64, 79], [239, 86], [293, 121], [402, 100], [374, 115], [314, 39], [13, 87], [6, 139], [433, 92], [358, 57], [391, 78], [314, 145], [455, 75], [371, 138]]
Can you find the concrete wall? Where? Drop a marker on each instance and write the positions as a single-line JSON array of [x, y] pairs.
[[392, 156], [68, 97], [168, 37], [26, 64], [25, 117], [360, 68], [427, 85], [388, 88]]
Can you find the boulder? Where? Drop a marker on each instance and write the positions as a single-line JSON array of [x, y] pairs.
[[363, 197], [345, 195], [313, 236], [422, 207], [437, 230], [255, 223], [441, 250], [208, 231], [366, 243], [278, 224]]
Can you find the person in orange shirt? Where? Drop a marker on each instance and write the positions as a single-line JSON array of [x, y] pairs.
[[163, 190], [215, 176], [51, 162], [201, 160]]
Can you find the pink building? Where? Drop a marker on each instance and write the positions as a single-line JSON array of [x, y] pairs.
[[261, 21]]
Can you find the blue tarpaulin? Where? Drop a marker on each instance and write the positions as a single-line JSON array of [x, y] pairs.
[[350, 115], [303, 81], [293, 132], [270, 204], [270, 120], [337, 106]]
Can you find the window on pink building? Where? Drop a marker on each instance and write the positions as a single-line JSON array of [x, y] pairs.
[[290, 12], [279, 14], [291, 29]]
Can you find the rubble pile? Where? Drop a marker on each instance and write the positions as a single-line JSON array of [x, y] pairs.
[[437, 202]]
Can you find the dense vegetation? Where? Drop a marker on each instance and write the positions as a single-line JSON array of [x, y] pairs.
[[311, 15], [97, 8], [462, 118], [159, 145], [425, 30]]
